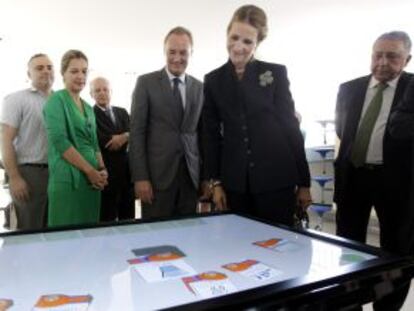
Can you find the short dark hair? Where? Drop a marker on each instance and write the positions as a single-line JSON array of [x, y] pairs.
[[68, 56], [254, 16], [397, 35], [179, 30], [36, 56]]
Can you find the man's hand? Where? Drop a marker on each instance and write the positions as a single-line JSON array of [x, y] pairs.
[[116, 142], [205, 191], [303, 198], [143, 191], [19, 189], [219, 198], [204, 201]]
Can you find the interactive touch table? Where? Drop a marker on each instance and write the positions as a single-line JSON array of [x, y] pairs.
[[222, 261]]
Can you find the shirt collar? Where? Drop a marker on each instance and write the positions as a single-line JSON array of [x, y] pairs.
[[171, 76], [105, 109], [374, 82], [35, 90]]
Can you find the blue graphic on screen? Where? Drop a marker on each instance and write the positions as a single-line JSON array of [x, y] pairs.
[[169, 271]]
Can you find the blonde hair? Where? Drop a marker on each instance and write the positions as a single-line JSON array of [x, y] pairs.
[[254, 16], [68, 56]]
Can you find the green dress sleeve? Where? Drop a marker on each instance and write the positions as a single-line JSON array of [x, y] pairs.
[[56, 123]]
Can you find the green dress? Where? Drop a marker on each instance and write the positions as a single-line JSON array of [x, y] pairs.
[[72, 199]]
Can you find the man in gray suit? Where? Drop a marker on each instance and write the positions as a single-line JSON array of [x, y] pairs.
[[164, 153]]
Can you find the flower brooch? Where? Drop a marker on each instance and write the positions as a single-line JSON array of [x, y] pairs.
[[266, 78]]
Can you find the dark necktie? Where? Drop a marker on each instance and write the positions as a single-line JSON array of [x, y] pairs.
[[109, 115], [178, 100], [361, 143]]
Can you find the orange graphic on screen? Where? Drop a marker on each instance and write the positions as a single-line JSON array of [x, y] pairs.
[[5, 304], [56, 300], [271, 243], [240, 266], [212, 276], [164, 256], [203, 277]]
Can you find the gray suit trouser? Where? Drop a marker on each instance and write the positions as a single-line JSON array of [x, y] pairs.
[[33, 213], [180, 198]]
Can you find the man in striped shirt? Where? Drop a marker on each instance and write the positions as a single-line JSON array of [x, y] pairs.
[[24, 146]]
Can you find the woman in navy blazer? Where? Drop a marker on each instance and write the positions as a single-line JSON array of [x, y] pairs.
[[254, 151]]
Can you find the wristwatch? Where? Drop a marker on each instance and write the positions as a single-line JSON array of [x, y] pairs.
[[214, 183]]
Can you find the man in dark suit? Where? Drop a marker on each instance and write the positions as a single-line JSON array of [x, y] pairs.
[[372, 168], [402, 127], [164, 153], [113, 131]]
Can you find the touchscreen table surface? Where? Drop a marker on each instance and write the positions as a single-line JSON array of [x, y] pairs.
[[160, 265]]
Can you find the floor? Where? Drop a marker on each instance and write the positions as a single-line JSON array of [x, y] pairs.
[[328, 226]]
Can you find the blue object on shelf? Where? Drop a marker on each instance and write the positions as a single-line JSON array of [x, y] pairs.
[[323, 150], [322, 179], [320, 209]]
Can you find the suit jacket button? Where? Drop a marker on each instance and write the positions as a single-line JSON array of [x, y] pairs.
[[246, 140], [251, 164]]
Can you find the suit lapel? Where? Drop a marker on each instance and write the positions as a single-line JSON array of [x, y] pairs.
[[103, 118], [230, 88], [401, 87], [359, 98], [118, 120], [357, 104], [188, 99]]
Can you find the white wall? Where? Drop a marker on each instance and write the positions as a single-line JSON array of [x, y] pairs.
[[323, 42]]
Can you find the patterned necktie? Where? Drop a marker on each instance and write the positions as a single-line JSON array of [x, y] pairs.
[[178, 100], [361, 143]]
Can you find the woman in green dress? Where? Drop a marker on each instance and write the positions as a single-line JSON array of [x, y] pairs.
[[76, 169]]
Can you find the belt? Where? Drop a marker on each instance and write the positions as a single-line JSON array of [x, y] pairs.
[[372, 167], [41, 165]]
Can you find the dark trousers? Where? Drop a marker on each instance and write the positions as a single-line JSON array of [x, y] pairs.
[[31, 214], [180, 198], [275, 206], [367, 188], [117, 202]]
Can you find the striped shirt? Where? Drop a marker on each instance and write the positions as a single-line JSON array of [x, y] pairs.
[[23, 110]]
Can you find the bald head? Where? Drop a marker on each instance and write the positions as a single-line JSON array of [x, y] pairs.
[[101, 91]]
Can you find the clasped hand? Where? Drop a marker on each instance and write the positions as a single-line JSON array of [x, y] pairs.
[[98, 179]]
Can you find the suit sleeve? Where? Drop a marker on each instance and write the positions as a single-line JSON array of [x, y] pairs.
[[211, 135], [103, 136], [56, 124], [340, 112], [402, 119], [138, 132], [125, 120], [200, 135], [103, 139], [286, 107]]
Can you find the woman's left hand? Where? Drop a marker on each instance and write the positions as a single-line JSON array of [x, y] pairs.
[[303, 197]]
